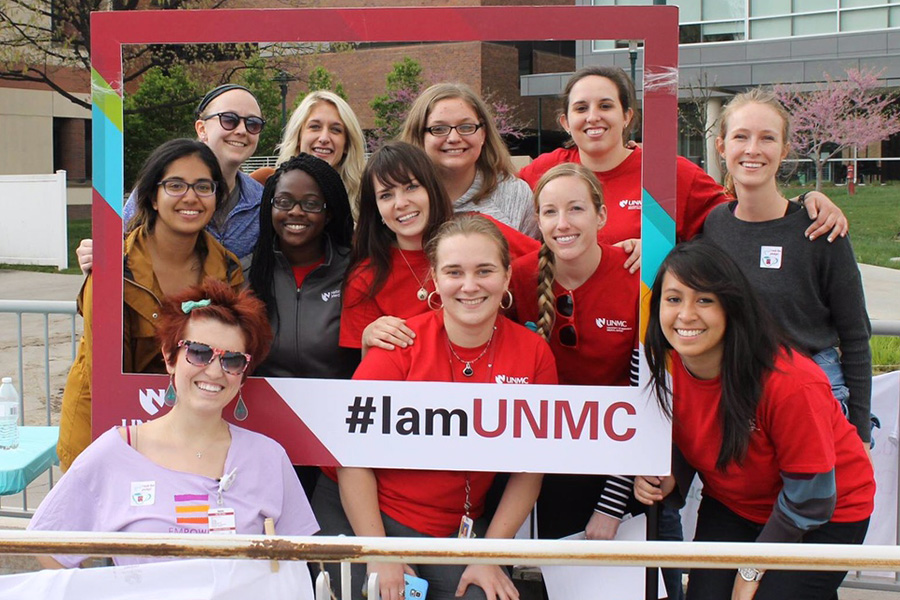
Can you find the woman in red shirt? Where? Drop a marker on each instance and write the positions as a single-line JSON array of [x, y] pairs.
[[462, 339], [598, 113], [402, 203], [574, 292], [738, 390]]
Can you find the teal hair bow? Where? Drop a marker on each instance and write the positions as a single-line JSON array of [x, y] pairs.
[[188, 305]]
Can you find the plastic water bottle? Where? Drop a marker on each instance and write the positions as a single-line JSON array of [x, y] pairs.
[[9, 415]]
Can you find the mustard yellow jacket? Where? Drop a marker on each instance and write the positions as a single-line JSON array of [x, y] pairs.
[[141, 352]]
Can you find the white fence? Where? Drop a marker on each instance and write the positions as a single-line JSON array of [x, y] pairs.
[[33, 220]]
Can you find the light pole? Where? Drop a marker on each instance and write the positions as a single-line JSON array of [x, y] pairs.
[[632, 57], [282, 79]]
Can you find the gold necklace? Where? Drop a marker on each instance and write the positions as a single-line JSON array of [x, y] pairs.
[[422, 293], [468, 371]]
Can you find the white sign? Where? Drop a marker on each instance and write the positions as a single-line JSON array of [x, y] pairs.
[[486, 427]]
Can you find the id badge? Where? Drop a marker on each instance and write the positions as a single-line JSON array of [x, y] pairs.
[[221, 521], [466, 528]]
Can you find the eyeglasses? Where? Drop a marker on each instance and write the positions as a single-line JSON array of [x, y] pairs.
[[178, 188], [307, 205], [565, 307], [230, 120], [461, 129], [200, 355]]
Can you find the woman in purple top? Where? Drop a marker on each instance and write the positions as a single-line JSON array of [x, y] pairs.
[[188, 471]]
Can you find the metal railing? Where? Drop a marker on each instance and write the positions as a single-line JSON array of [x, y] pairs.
[[717, 555], [256, 162], [55, 316]]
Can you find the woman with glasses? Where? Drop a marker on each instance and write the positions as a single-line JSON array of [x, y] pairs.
[[575, 293], [457, 131], [305, 232], [229, 121], [462, 339], [167, 249], [757, 421], [323, 125], [188, 471]]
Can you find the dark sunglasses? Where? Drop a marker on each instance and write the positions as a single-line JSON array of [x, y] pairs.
[[200, 355], [229, 121], [565, 307]]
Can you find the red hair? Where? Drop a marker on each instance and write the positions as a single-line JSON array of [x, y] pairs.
[[242, 309]]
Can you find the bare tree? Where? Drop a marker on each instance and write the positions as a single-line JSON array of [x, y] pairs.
[[46, 41], [693, 114]]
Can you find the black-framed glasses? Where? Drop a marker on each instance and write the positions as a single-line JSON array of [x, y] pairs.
[[308, 205], [230, 120], [200, 355], [461, 129], [178, 187], [565, 307]]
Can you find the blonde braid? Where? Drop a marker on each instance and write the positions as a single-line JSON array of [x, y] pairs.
[[546, 297]]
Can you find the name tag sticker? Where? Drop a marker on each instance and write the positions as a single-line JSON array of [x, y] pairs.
[[770, 257], [143, 493]]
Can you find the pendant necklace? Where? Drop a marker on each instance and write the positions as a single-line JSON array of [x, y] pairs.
[[422, 293], [468, 371]]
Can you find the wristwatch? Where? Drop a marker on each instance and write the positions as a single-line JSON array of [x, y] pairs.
[[750, 574]]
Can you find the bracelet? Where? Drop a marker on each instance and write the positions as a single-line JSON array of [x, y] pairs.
[[802, 198]]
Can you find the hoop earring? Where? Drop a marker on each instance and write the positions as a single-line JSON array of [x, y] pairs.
[[508, 304], [170, 398], [431, 296], [240, 409]]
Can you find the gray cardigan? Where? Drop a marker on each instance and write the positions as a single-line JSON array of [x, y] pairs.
[[816, 295], [307, 321]]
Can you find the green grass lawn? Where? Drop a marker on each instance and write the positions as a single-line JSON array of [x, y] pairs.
[[874, 214]]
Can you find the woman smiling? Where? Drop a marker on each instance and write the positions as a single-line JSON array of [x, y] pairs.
[[167, 250], [462, 339]]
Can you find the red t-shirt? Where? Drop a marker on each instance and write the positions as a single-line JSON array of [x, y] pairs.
[[519, 243], [800, 429], [300, 273], [696, 193], [605, 319], [431, 502], [396, 298]]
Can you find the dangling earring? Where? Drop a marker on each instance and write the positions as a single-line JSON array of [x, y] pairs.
[[431, 298], [240, 409], [170, 398], [509, 303]]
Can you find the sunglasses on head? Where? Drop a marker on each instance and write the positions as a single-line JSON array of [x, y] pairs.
[[230, 120], [200, 355], [565, 307]]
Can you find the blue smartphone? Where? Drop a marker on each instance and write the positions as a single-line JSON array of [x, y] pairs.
[[416, 587]]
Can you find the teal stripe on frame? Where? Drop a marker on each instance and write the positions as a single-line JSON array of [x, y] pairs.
[[106, 119], [658, 237]]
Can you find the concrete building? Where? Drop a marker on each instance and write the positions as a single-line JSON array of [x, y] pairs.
[[732, 45]]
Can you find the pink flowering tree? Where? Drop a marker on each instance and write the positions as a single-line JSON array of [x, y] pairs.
[[847, 113], [404, 83]]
